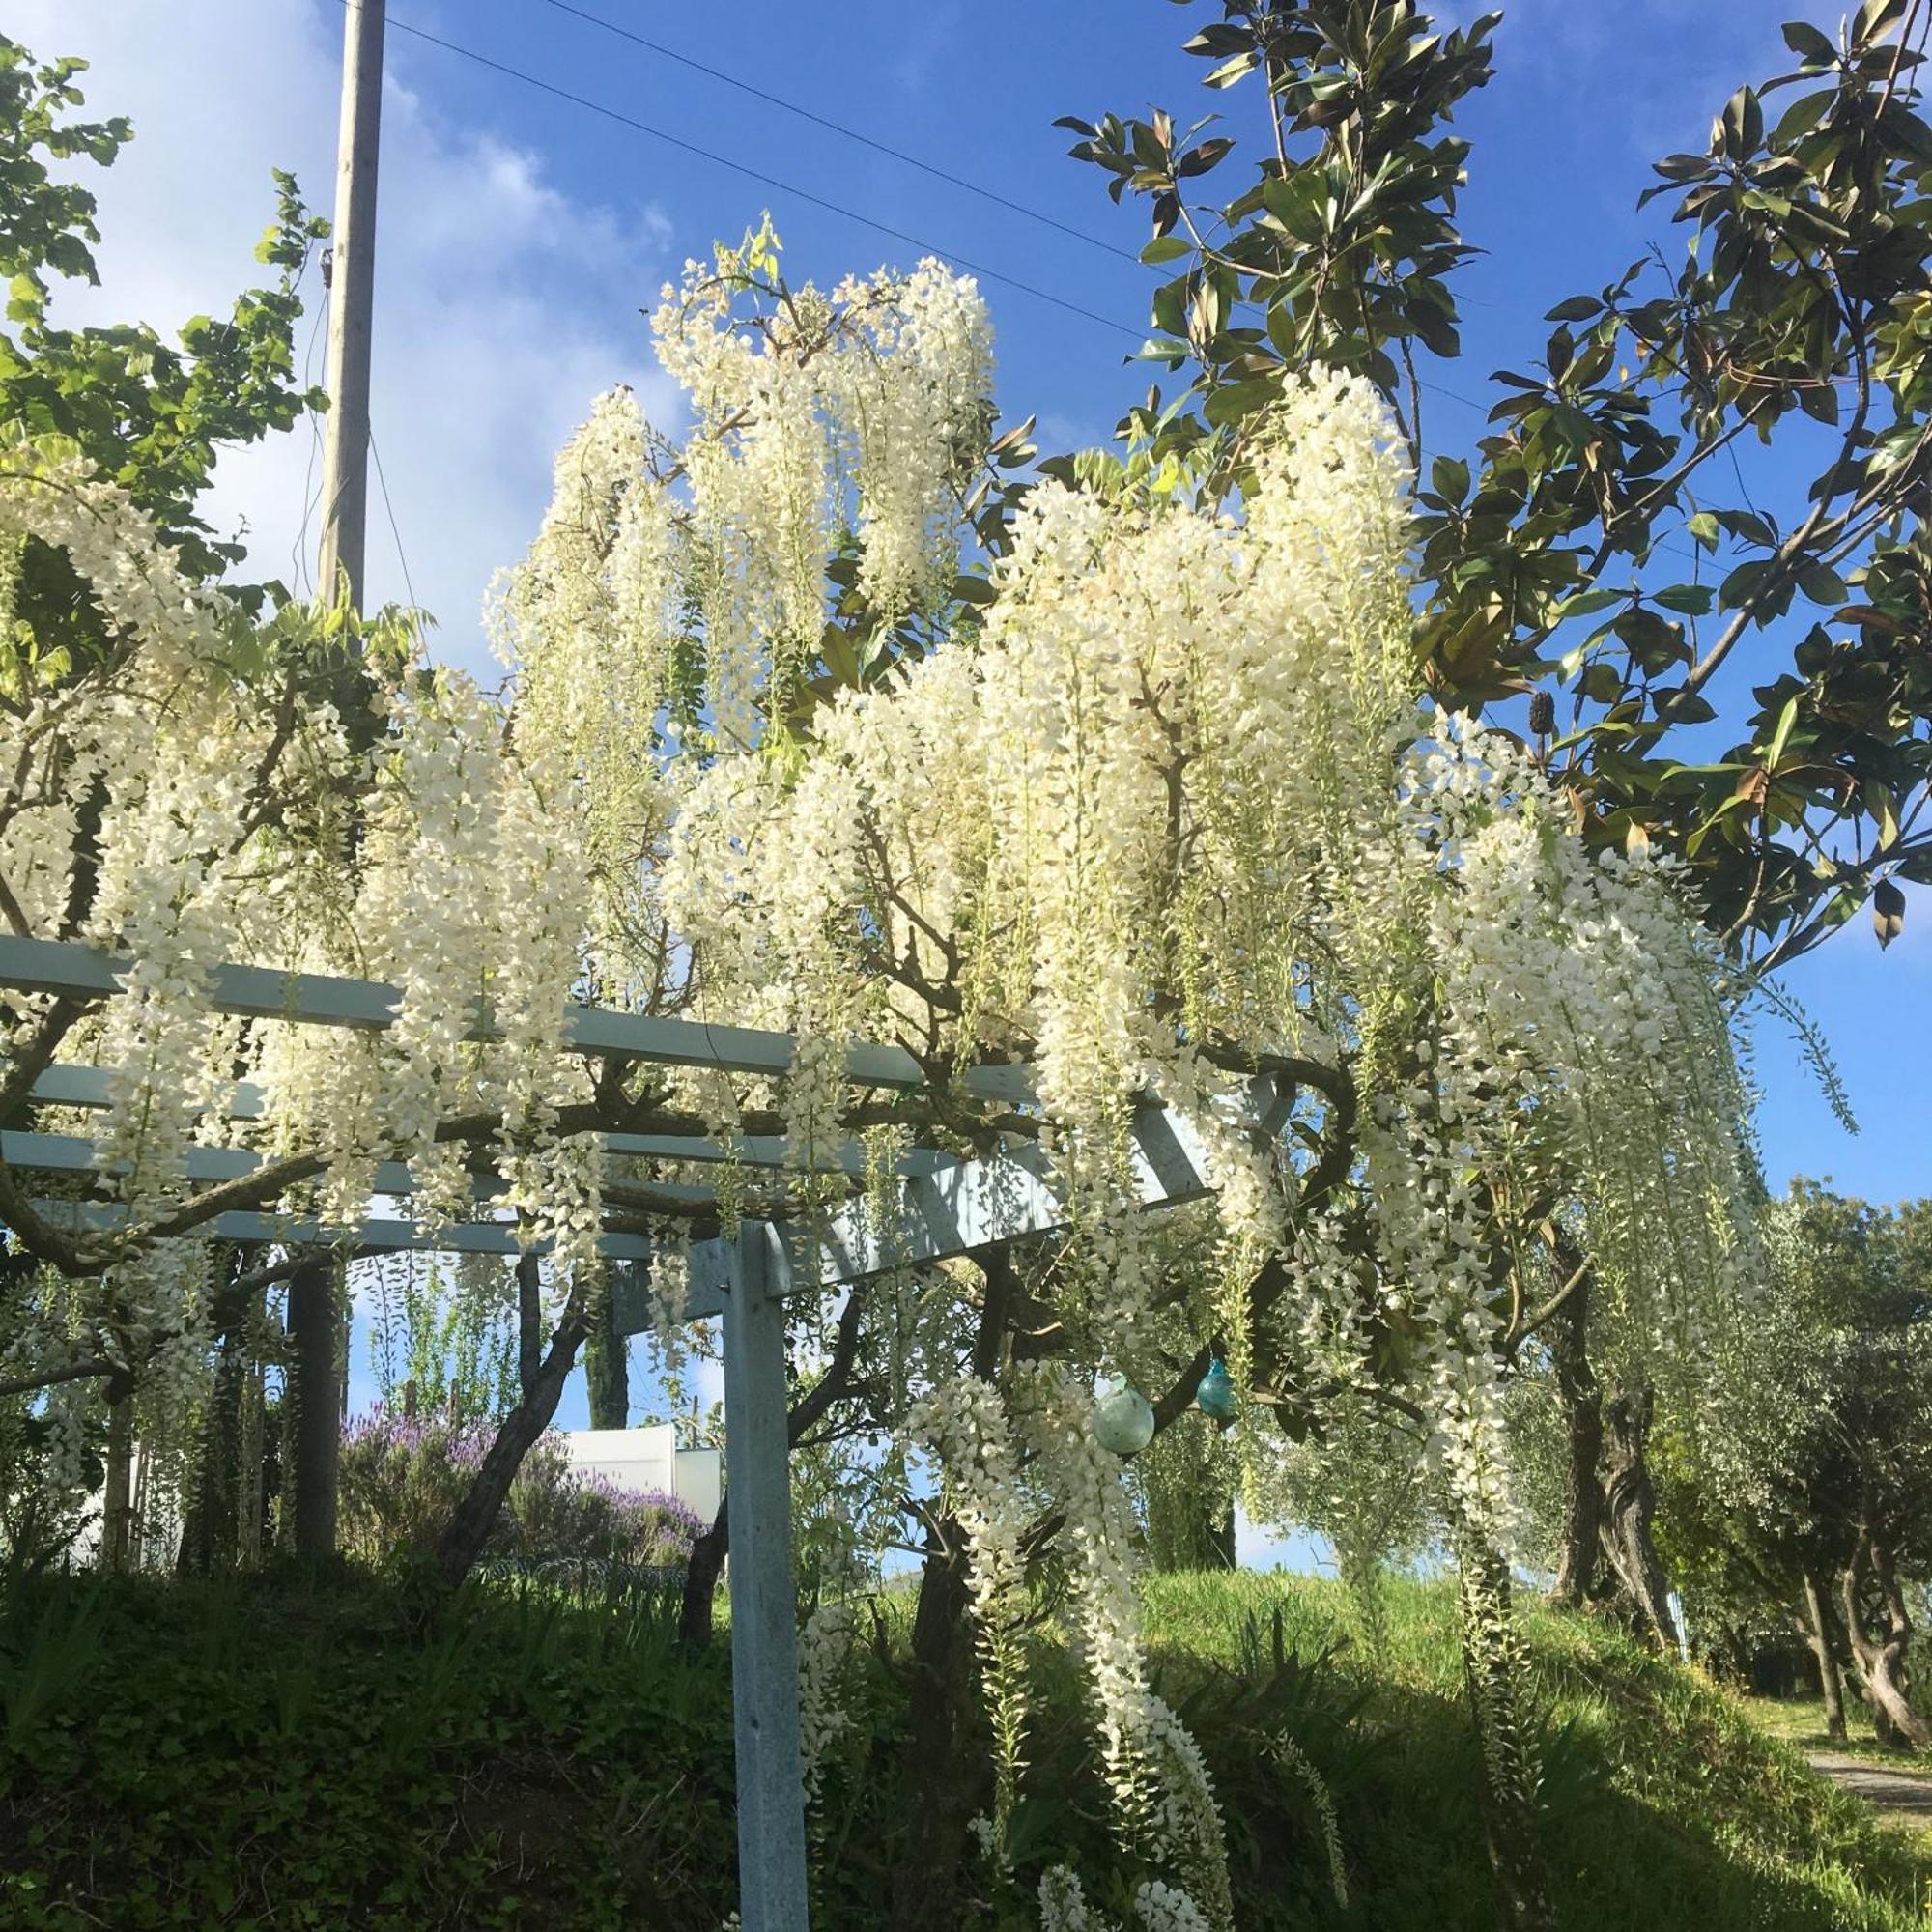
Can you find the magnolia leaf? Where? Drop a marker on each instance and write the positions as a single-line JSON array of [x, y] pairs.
[[1887, 912], [1809, 44]]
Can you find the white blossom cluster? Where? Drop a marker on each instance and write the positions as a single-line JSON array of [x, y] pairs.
[[1001, 1468], [1177, 819], [1157, 1907], [965, 1424], [474, 901], [1169, 823], [820, 424], [824, 1669], [177, 797]]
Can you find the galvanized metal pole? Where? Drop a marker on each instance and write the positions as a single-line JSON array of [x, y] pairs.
[[345, 463], [764, 1626]]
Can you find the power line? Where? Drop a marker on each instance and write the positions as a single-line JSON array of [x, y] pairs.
[[863, 140], [754, 174], [786, 187], [383, 484]]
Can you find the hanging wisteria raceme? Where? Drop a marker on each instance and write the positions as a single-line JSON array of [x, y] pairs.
[[965, 1424], [181, 800], [688, 585], [1175, 824], [489, 863], [1164, 821], [847, 425], [191, 786]]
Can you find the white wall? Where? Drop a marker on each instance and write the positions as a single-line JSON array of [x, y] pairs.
[[649, 1458]]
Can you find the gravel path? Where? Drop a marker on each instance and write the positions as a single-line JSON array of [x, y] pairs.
[[1882, 1786]]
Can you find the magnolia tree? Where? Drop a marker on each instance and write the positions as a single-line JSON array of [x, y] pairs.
[[1150, 809]]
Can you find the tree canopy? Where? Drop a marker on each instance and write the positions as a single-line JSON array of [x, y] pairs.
[[1183, 775], [1552, 556]]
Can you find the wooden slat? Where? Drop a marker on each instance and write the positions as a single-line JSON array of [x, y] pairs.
[[467, 1237], [952, 1208], [964, 1208], [70, 1154], [317, 999], [90, 1087], [972, 1206]]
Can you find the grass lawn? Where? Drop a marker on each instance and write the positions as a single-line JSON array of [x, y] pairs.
[[1801, 1722], [256, 1754]]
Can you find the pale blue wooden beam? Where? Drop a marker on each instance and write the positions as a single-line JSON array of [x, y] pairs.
[[985, 1204], [70, 1154], [467, 1237], [960, 1210], [90, 1087], [970, 1207], [317, 999], [770, 1784]]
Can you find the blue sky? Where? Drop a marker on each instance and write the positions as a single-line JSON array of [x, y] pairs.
[[520, 235]]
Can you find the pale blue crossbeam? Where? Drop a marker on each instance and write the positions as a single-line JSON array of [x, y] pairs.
[[317, 999], [465, 1237], [90, 1088]]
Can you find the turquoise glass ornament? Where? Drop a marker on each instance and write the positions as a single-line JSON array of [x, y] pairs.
[[1124, 1422], [1217, 1395]]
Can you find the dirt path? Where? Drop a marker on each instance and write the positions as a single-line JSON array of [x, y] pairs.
[[1905, 1795]]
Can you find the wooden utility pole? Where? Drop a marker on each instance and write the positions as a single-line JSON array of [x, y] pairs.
[[345, 466]]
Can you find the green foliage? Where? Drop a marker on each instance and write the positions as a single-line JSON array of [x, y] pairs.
[[1815, 1452], [150, 413], [244, 1754], [1550, 552], [1661, 1803], [239, 1755], [1187, 1477]]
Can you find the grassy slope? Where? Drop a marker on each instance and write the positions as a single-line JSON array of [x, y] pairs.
[[1668, 1806], [252, 1756]]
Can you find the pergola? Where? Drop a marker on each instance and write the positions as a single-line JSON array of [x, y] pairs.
[[947, 1206]]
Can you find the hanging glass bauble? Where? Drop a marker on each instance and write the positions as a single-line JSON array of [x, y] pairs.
[[1124, 1422], [1217, 1395]]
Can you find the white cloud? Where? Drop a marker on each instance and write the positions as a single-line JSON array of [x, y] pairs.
[[502, 305]]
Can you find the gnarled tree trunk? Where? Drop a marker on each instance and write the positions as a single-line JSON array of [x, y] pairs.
[[1880, 1637], [1831, 1680], [945, 1774], [117, 1496], [212, 1536], [314, 1333], [1630, 1503], [542, 1382], [1582, 1402], [701, 1572]]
